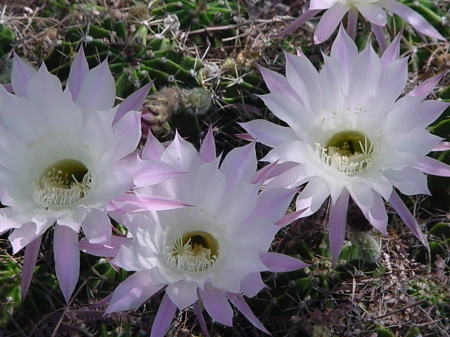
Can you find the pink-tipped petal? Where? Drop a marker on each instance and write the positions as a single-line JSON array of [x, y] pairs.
[[208, 149], [153, 149], [344, 50], [425, 88], [297, 70], [443, 146], [273, 203], [78, 71], [378, 32], [98, 90], [278, 263], [29, 262], [409, 220], [97, 227], [132, 292], [20, 76], [290, 217], [252, 284], [128, 128], [201, 319], [216, 304], [313, 196], [329, 22], [23, 236], [392, 81], [413, 18], [277, 83], [163, 317], [336, 226], [239, 302], [67, 259], [269, 133], [373, 13], [352, 22], [133, 102], [408, 180], [109, 250], [309, 14], [435, 167], [392, 52], [146, 203], [240, 164], [150, 172]]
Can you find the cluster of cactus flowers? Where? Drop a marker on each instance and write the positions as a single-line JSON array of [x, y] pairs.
[[200, 225]]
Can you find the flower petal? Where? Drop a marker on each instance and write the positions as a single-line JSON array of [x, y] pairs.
[[273, 203], [239, 302], [279, 84], [20, 76], [208, 149], [133, 102], [407, 217], [78, 71], [425, 88], [29, 263], [294, 114], [309, 14], [109, 250], [97, 227], [313, 196], [239, 165], [98, 90], [128, 134], [182, 293], [329, 21], [344, 50], [392, 52], [153, 149], [269, 133], [435, 167], [252, 284], [278, 263], [336, 226], [132, 292], [216, 304], [163, 317], [303, 78], [134, 258], [413, 18], [373, 13], [201, 319], [409, 180], [67, 259]]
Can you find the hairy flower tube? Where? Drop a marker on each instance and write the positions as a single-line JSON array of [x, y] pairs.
[[371, 10], [351, 134], [62, 160], [211, 251]]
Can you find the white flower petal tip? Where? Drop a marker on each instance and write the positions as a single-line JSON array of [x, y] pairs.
[[356, 143], [211, 249]]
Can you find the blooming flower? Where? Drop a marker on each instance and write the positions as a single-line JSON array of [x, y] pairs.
[[371, 10], [62, 160], [213, 250], [351, 134]]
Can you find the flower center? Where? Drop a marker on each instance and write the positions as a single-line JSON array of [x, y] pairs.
[[192, 252], [349, 152], [63, 183]]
